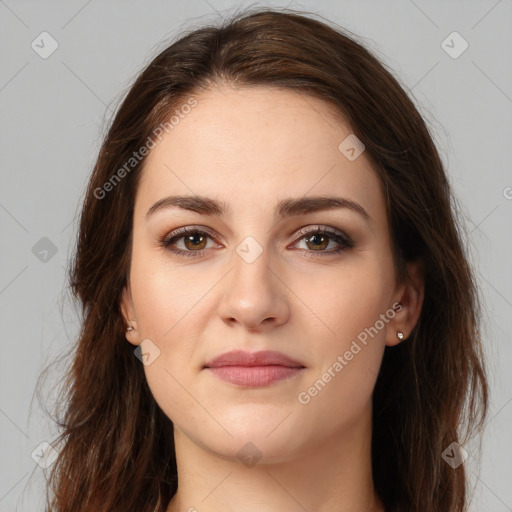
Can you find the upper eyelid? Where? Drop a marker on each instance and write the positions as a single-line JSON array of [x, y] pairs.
[[181, 232]]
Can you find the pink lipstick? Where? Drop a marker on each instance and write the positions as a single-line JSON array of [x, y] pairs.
[[253, 369]]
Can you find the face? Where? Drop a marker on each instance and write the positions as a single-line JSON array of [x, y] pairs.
[[276, 270]]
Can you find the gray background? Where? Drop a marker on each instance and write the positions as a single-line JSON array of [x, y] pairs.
[[53, 116]]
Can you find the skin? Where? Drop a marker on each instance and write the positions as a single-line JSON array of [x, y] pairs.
[[251, 147]]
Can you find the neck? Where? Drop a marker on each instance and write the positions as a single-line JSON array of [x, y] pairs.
[[332, 476]]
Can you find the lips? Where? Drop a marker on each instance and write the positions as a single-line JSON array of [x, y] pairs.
[[253, 369], [263, 358]]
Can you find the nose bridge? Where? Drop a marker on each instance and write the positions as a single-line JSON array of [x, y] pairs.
[[251, 266], [253, 294]]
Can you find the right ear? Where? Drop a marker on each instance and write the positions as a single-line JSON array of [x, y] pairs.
[[128, 312]]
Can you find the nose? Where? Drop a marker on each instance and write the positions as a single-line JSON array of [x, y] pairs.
[[254, 294]]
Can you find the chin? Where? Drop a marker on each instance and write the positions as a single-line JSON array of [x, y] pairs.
[[255, 428], [250, 449]]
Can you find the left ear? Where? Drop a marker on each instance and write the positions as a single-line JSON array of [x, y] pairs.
[[410, 295]]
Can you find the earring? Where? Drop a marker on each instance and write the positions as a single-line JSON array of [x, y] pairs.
[[400, 335], [129, 328]]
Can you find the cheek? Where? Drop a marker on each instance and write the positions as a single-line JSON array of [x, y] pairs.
[[341, 301], [166, 296], [170, 307], [352, 308], [348, 353]]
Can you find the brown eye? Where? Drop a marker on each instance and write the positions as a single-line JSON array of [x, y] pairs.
[[195, 241], [318, 241], [188, 242]]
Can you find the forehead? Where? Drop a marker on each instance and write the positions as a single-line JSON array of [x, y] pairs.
[[257, 144], [257, 122]]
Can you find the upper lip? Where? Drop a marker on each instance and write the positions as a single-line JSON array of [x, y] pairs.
[[262, 358]]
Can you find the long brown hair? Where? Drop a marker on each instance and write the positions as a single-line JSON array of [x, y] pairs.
[[117, 445]]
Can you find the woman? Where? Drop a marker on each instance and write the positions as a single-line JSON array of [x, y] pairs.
[[278, 311]]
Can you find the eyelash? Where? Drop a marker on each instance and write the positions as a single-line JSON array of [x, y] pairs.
[[339, 237]]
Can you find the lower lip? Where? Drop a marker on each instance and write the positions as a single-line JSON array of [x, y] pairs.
[[254, 376]]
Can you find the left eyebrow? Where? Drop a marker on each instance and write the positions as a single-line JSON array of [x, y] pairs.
[[284, 208]]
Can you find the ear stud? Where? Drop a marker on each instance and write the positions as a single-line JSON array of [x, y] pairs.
[[129, 328], [400, 335]]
